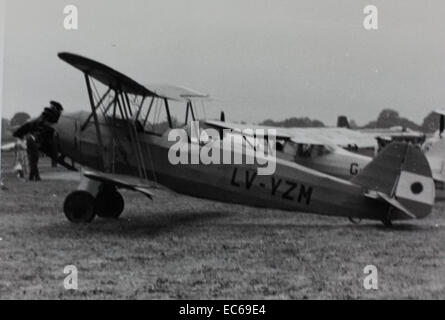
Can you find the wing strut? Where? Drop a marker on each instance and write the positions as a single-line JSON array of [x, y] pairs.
[[85, 124], [122, 102], [122, 87], [105, 165], [136, 144]]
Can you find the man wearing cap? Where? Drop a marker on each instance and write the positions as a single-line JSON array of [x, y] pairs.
[[38, 131]]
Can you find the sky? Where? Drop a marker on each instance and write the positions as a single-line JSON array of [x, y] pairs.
[[259, 59]]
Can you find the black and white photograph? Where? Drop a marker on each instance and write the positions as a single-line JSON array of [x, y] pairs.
[[209, 150]]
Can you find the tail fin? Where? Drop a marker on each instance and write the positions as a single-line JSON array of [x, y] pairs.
[[342, 122], [402, 177]]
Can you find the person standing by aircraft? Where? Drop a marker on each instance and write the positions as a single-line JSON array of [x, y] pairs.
[[20, 159], [37, 131], [32, 149], [20, 164]]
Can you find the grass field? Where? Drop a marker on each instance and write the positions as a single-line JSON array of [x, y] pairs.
[[179, 247]]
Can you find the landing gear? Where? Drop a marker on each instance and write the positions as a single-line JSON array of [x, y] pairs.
[[108, 203], [79, 207], [387, 222], [355, 220], [93, 198]]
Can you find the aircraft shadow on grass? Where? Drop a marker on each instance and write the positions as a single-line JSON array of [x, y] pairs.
[[161, 223]]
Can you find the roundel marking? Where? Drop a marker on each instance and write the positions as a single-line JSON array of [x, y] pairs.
[[417, 187]]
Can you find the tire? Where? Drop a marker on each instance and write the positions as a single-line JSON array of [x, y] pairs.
[[109, 204], [387, 222], [355, 220], [79, 207]]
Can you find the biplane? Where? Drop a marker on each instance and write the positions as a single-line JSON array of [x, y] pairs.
[[123, 144]]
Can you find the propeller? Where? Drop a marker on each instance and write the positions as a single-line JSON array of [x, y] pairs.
[[47, 118], [41, 128], [223, 117]]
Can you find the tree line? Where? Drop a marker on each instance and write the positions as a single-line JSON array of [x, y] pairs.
[[386, 119]]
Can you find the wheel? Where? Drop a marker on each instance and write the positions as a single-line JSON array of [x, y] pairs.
[[355, 220], [387, 222], [79, 207], [109, 204]]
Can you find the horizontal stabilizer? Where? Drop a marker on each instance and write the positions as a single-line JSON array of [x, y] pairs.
[[396, 204]]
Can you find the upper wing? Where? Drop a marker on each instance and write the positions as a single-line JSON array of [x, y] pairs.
[[106, 75], [177, 93], [297, 135], [309, 139], [312, 136], [120, 181], [247, 129], [395, 132], [118, 81], [339, 136]]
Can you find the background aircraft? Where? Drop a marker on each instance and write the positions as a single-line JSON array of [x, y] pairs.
[[386, 135], [119, 147], [434, 148], [309, 147]]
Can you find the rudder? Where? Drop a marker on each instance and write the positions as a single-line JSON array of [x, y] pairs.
[[343, 122], [401, 172]]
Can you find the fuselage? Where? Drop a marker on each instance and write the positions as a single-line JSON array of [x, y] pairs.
[[327, 158], [292, 186], [337, 162]]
